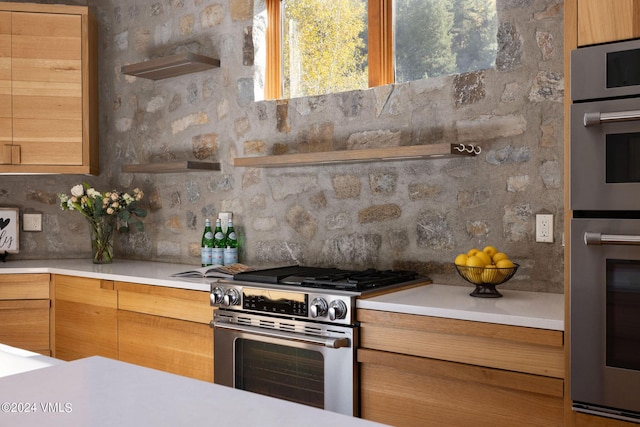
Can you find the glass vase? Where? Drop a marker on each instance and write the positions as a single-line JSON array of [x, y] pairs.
[[102, 230]]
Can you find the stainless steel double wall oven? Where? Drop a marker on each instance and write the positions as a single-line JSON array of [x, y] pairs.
[[605, 230]]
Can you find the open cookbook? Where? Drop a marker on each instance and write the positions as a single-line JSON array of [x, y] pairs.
[[215, 270]]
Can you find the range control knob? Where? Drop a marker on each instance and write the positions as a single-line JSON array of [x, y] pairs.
[[217, 295], [318, 307], [337, 310], [231, 297]]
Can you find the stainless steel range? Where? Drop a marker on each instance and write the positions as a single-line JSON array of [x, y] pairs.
[[291, 332]]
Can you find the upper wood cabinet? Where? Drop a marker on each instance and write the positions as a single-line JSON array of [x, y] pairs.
[[48, 89], [602, 21]]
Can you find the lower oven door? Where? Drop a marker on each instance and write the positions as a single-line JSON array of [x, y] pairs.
[[275, 357], [605, 317]]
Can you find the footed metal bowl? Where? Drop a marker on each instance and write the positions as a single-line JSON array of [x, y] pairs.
[[486, 279]]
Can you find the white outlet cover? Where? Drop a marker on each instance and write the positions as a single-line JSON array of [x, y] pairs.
[[32, 222]]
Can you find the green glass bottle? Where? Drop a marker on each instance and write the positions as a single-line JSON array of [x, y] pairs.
[[230, 245], [218, 244], [206, 249]]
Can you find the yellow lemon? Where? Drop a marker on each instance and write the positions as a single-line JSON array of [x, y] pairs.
[[474, 261], [461, 259], [490, 274], [499, 257], [473, 251], [474, 274], [490, 250], [504, 263], [484, 257]]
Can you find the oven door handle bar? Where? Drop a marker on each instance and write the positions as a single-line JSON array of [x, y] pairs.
[[594, 119], [325, 342], [591, 238]]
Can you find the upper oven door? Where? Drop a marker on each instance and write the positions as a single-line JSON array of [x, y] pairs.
[[605, 155], [605, 71], [605, 313]]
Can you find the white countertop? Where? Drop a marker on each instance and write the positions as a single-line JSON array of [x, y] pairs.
[[143, 272], [100, 392], [517, 308]]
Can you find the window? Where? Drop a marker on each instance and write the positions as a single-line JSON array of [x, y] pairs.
[[323, 46]]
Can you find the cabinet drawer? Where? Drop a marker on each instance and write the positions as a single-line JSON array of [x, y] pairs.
[[520, 349], [183, 304], [24, 286], [85, 291], [25, 324]]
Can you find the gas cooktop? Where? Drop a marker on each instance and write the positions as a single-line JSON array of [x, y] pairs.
[[327, 278]]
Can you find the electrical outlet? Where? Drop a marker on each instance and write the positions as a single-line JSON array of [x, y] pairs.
[[544, 228], [32, 222]]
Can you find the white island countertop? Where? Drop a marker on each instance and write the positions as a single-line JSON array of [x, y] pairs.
[[517, 308], [100, 392]]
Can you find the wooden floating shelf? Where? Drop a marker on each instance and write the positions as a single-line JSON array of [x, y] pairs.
[[171, 66], [172, 167], [411, 152]]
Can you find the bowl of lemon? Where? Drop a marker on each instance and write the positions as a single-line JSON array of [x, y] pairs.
[[485, 269]]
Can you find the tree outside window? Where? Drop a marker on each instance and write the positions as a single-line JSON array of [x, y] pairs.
[[325, 44]]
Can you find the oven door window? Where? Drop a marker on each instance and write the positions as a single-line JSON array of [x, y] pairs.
[[623, 158], [289, 373], [623, 314]]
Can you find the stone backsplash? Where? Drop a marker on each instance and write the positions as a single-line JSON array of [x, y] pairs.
[[415, 214]]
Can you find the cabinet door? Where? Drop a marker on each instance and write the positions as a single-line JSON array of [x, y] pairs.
[[166, 329], [177, 346], [25, 324], [601, 21], [24, 311], [85, 318], [6, 135], [413, 391], [46, 69]]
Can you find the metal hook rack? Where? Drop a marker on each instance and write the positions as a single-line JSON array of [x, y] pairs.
[[466, 148]]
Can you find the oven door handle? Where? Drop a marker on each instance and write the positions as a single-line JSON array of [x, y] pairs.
[[594, 119], [325, 342], [591, 238]]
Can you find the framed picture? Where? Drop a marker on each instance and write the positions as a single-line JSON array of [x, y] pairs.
[[9, 226]]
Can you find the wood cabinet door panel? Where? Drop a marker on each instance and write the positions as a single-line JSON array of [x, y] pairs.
[[171, 345], [83, 330], [606, 21], [176, 303], [404, 398], [25, 324], [85, 291], [24, 286], [514, 348], [45, 35], [85, 313]]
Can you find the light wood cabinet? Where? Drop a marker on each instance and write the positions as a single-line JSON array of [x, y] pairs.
[[48, 89], [426, 371], [602, 21], [166, 329], [85, 312], [24, 311]]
